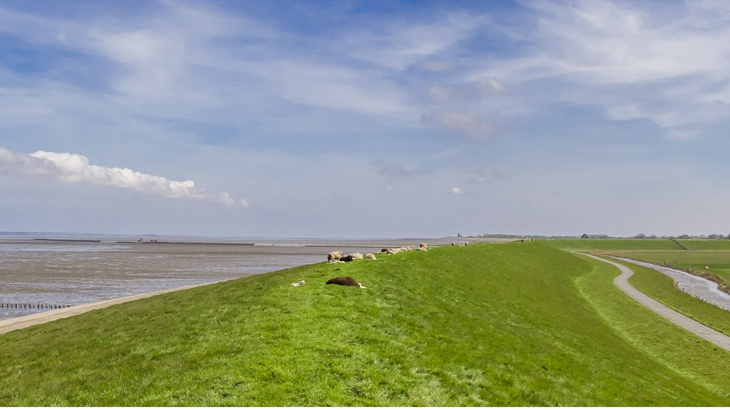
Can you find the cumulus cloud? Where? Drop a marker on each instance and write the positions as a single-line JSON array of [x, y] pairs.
[[469, 123], [76, 169]]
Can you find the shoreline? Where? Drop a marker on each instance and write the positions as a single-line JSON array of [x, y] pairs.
[[291, 248], [21, 322]]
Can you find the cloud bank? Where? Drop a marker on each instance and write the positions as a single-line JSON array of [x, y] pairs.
[[76, 169]]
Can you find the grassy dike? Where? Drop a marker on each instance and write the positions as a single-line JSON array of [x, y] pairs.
[[515, 324]]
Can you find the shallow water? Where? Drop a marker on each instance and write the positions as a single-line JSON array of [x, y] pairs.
[[701, 288], [69, 273]]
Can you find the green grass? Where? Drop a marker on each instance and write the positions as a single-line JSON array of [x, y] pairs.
[[612, 244], [661, 288], [692, 256], [516, 324], [705, 244], [680, 351], [712, 264]]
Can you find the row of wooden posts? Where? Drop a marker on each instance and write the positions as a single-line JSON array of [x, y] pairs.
[[32, 306]]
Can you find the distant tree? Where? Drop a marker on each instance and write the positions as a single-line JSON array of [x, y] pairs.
[[640, 236]]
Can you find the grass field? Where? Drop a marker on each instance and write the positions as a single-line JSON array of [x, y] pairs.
[[515, 324], [706, 258], [613, 244], [661, 288]]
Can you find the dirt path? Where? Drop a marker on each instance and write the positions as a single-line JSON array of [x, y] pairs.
[[9, 325], [711, 335]]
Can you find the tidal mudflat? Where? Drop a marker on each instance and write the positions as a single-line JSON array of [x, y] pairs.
[[43, 271]]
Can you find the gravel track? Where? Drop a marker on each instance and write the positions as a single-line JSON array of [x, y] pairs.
[[622, 282]]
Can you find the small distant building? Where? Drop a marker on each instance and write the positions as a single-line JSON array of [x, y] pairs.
[[595, 236]]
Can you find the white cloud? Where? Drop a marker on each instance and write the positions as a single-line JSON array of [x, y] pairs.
[[457, 190], [666, 63], [76, 169]]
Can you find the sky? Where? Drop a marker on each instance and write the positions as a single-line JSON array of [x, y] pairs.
[[365, 119]]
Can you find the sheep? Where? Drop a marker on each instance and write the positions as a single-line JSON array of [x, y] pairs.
[[346, 258], [334, 256], [356, 255], [297, 284], [370, 256], [344, 281]]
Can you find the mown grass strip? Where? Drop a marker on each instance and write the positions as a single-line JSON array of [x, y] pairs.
[[483, 325]]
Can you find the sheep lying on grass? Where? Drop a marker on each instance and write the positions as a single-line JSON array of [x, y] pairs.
[[344, 281]]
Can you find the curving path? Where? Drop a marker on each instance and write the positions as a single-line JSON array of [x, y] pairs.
[[21, 322], [622, 282]]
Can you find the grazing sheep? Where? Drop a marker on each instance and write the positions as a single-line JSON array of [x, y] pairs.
[[344, 281], [297, 284], [384, 250], [334, 256], [346, 258], [356, 255], [370, 256], [423, 245]]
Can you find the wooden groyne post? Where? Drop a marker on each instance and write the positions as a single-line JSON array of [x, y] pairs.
[[32, 306]]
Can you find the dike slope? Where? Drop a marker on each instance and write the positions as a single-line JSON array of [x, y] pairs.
[[481, 325]]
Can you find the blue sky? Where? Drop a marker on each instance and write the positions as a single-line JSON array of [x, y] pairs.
[[364, 118]]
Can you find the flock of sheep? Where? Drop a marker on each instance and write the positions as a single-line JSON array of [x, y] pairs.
[[339, 257]]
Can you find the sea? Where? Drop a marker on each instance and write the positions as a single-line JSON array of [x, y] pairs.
[[39, 272]]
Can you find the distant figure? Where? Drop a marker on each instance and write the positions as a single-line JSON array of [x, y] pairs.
[[141, 240], [344, 281]]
